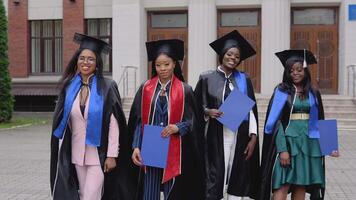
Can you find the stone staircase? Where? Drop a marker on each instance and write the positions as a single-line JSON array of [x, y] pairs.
[[342, 108]]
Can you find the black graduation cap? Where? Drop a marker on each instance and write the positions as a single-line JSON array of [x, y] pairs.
[[172, 47], [306, 55], [233, 39], [94, 44]]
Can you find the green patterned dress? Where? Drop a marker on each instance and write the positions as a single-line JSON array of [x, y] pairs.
[[306, 160]]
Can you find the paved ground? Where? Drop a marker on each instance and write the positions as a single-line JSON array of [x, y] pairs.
[[24, 165]]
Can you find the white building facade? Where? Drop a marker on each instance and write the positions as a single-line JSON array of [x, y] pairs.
[[326, 27], [278, 20]]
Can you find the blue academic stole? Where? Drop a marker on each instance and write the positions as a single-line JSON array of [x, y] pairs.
[[240, 79], [278, 102], [95, 114]]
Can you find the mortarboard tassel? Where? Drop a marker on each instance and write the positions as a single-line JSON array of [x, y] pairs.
[[305, 61]]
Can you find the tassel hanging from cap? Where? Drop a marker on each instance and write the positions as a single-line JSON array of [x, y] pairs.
[[305, 60]]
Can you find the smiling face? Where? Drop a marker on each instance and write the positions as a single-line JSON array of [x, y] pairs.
[[297, 73], [164, 67], [231, 58], [86, 63]]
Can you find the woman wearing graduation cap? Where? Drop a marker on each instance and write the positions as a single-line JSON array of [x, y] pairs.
[[291, 157], [232, 158], [87, 122], [165, 100]]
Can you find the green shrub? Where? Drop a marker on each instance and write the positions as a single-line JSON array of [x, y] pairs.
[[6, 99]]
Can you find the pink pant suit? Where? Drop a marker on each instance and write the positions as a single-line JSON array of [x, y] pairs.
[[85, 157]]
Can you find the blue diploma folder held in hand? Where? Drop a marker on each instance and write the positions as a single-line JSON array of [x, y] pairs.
[[236, 108], [154, 149], [328, 140]]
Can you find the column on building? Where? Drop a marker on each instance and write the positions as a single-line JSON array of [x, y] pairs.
[[202, 19], [347, 46], [275, 37], [129, 35], [18, 33], [73, 21]]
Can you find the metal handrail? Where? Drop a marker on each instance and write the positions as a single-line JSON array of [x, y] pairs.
[[124, 79], [351, 72]]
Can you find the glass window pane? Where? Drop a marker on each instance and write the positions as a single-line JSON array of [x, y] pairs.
[[106, 62], [35, 28], [314, 16], [58, 28], [58, 54], [105, 28], [92, 26], [169, 20], [106, 58], [47, 29], [35, 55], [46, 46], [48, 55], [243, 18]]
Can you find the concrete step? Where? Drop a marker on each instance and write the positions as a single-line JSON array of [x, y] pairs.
[[347, 128], [328, 115], [346, 122], [327, 99], [342, 124], [340, 115], [327, 108]]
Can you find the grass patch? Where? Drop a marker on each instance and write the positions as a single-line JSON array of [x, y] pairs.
[[22, 121]]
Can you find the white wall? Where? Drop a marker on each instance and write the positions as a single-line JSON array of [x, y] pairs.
[[200, 34], [45, 9], [315, 2], [129, 36], [275, 37], [238, 4], [98, 9], [347, 45], [165, 4]]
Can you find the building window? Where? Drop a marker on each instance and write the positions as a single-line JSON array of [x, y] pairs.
[[101, 29], [239, 18], [169, 20], [314, 16], [46, 46]]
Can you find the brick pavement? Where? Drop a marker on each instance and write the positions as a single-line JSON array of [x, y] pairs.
[[24, 165]]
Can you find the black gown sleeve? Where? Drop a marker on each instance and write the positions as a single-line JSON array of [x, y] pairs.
[[200, 94], [191, 183], [134, 119], [268, 158], [191, 113], [251, 94], [320, 105], [120, 182], [57, 116]]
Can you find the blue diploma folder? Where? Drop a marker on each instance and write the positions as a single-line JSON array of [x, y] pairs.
[[236, 108], [328, 136], [154, 149]]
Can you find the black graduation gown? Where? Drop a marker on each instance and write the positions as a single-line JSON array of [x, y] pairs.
[[244, 177], [269, 148], [190, 184], [63, 178]]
